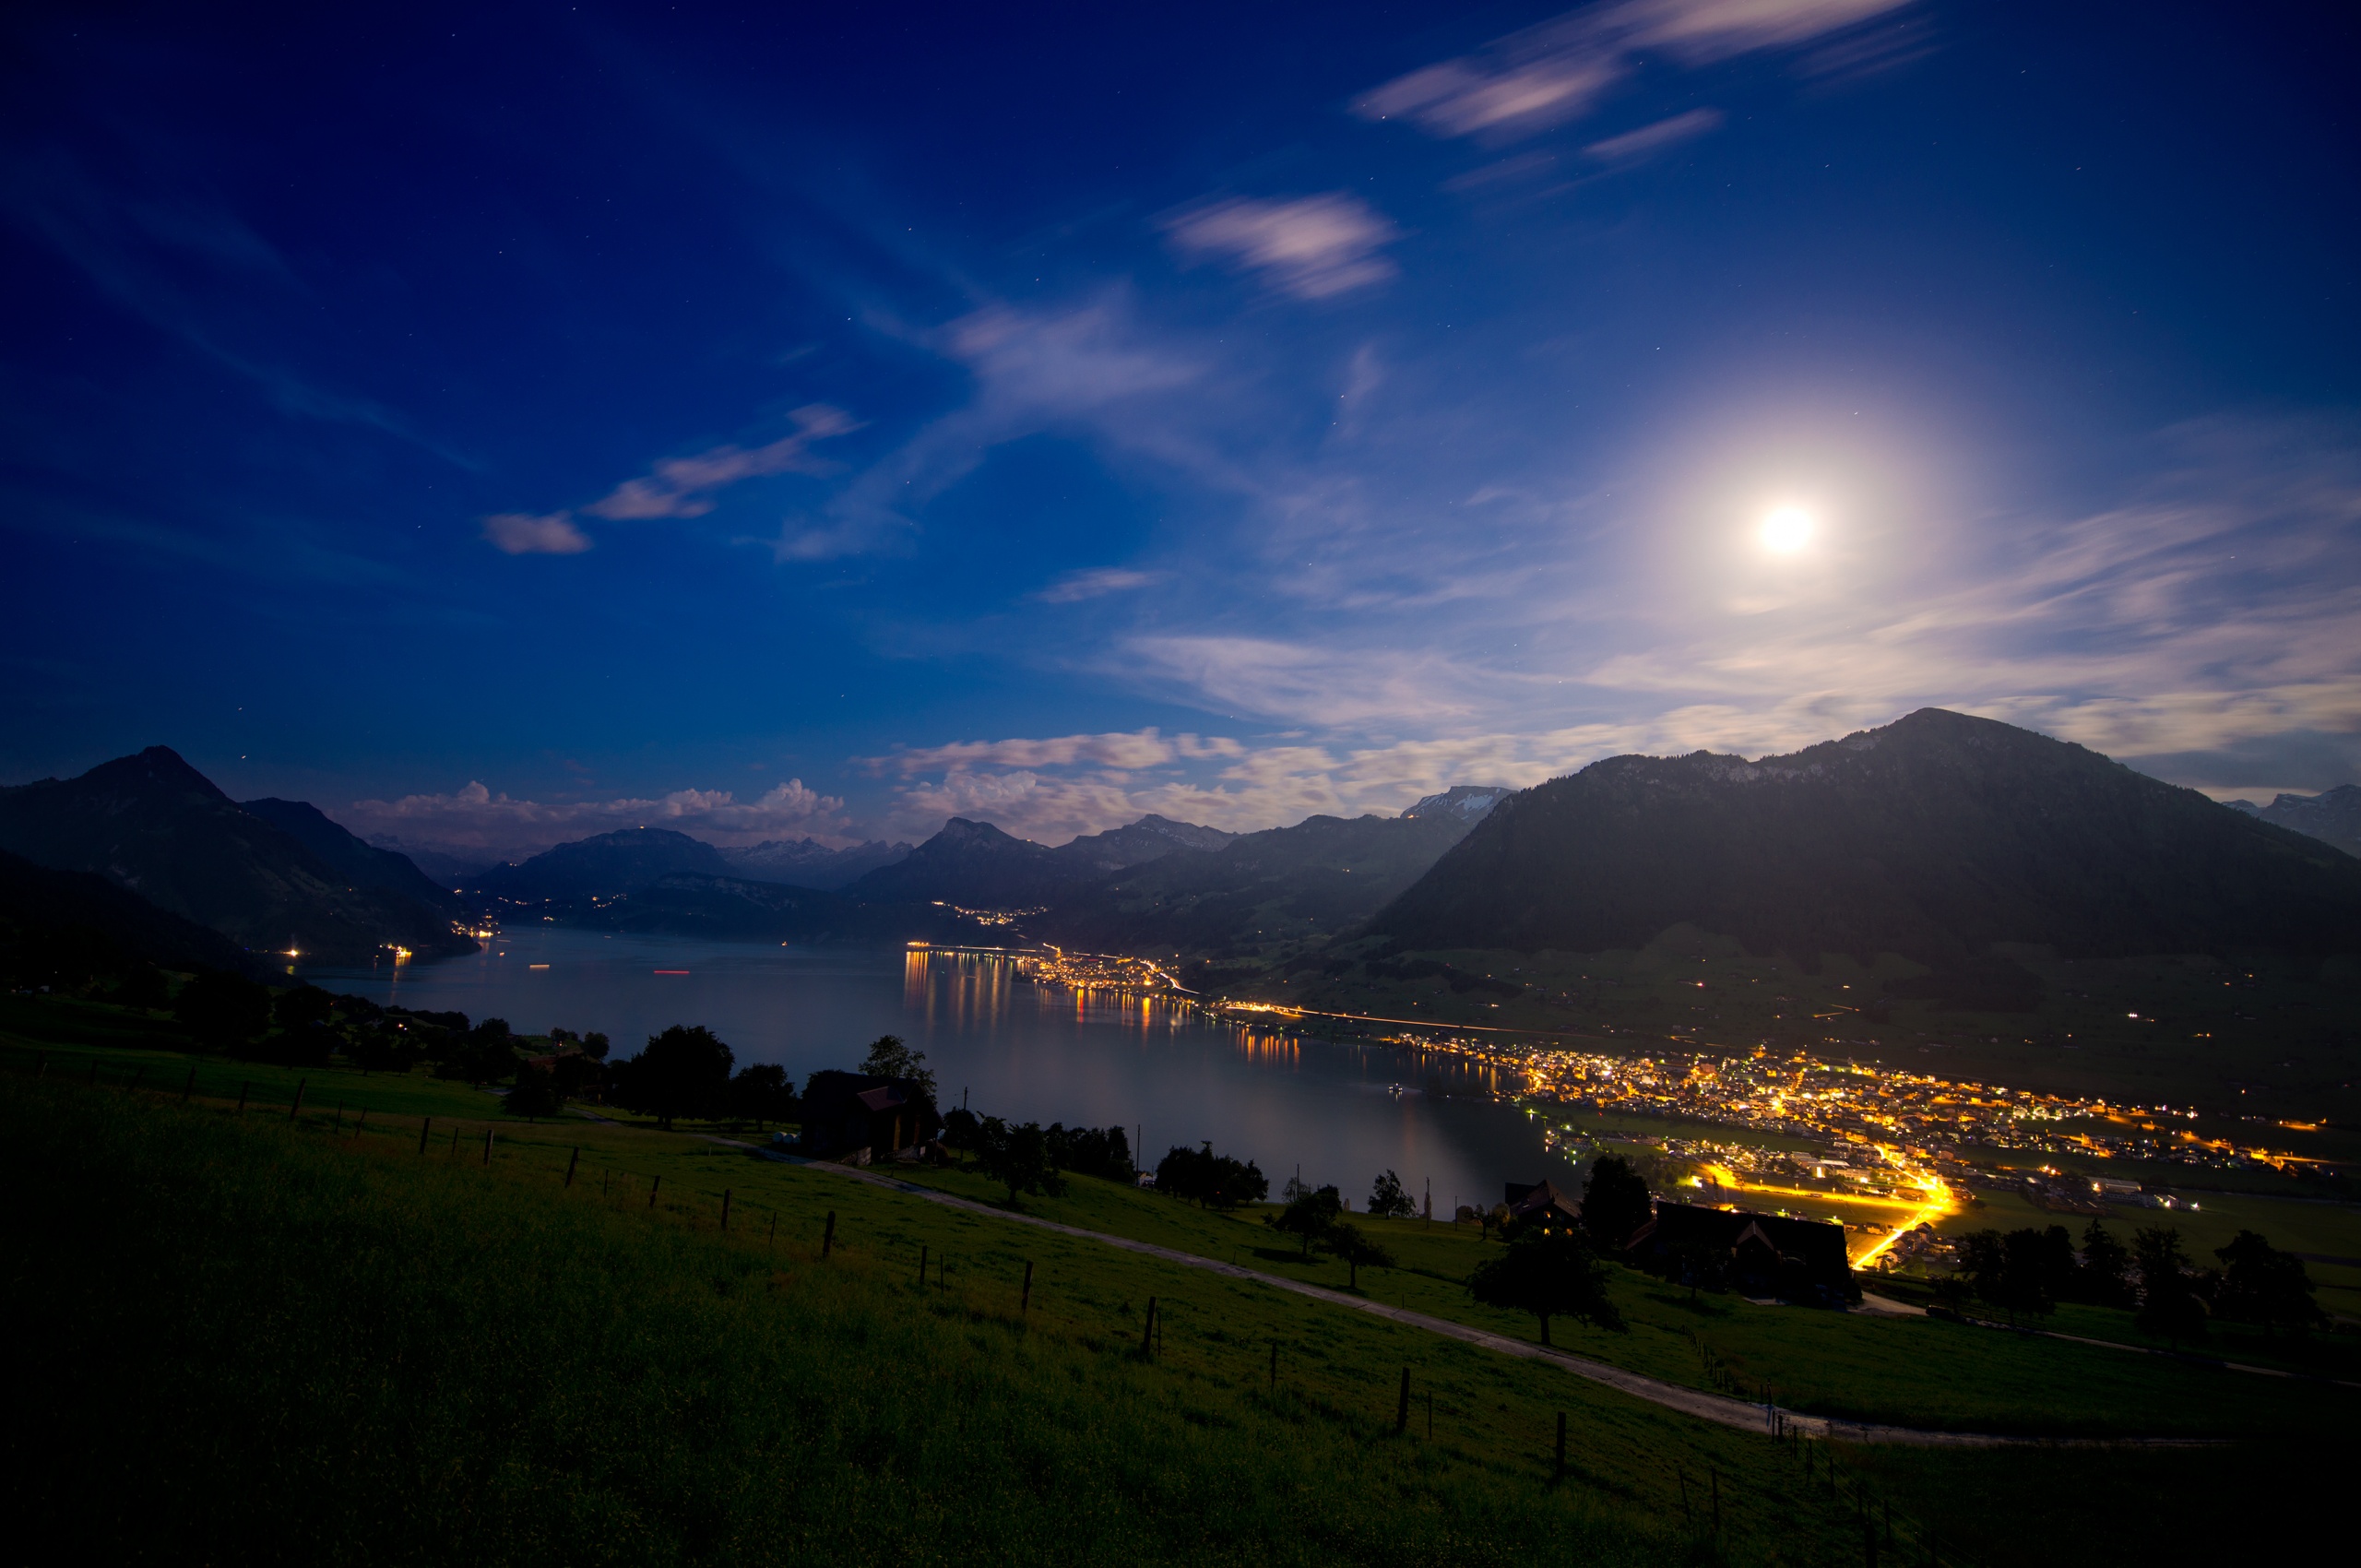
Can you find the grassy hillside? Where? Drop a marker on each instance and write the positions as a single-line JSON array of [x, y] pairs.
[[284, 1338]]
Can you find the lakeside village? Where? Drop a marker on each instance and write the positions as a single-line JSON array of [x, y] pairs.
[[1890, 1151]]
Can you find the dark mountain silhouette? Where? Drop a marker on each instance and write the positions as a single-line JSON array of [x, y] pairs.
[[804, 862], [41, 908], [732, 908], [156, 827], [1934, 838], [1314, 879], [972, 864], [608, 865], [361, 863], [2332, 817], [1151, 837]]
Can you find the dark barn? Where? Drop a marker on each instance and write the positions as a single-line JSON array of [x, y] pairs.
[[1755, 1255], [866, 1118]]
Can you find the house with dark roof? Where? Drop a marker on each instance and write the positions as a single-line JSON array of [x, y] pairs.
[[1543, 1201], [1756, 1254], [856, 1117]]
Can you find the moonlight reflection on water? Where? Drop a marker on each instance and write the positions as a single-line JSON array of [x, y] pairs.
[[1342, 1111]]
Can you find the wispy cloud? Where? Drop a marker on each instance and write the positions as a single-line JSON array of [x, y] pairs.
[[1559, 70], [1095, 583], [474, 818], [1123, 751], [1648, 140], [1312, 247], [685, 487], [520, 534]]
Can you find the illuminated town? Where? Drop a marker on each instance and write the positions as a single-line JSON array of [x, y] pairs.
[[1888, 1153]]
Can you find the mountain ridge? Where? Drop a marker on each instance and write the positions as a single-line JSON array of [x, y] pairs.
[[1934, 838]]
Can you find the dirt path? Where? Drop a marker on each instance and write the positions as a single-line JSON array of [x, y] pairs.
[[1716, 1408]]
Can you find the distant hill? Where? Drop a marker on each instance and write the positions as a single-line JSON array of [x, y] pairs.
[[42, 908], [975, 865], [156, 827], [609, 863], [361, 863], [1934, 838], [805, 863], [1314, 879], [734, 909], [2332, 817], [1151, 837]]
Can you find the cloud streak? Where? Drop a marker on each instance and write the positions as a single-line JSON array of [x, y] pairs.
[[1311, 248], [475, 819], [1560, 70]]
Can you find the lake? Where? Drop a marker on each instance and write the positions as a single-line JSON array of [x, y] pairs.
[[1341, 1110]]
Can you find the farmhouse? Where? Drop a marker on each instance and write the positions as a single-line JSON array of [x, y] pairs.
[[856, 1118], [1755, 1255]]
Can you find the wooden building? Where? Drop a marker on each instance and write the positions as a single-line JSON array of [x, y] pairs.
[[856, 1118], [1756, 1254]]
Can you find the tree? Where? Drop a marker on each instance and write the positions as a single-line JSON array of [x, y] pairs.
[[2168, 1303], [594, 1046], [1091, 1151], [682, 1072], [1548, 1274], [222, 1011], [763, 1093], [1388, 1201], [2261, 1284], [304, 1005], [1615, 1203], [1493, 1218], [2104, 1278], [960, 1128], [1018, 1158], [1308, 1215], [1215, 1180], [1346, 1241], [889, 1058], [535, 1094]]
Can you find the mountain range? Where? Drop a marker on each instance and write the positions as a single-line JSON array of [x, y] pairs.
[[2333, 816], [1934, 838], [156, 826]]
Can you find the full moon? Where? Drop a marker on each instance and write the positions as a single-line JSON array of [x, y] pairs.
[[1786, 530]]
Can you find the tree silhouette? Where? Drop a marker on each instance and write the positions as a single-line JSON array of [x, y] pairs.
[[682, 1072], [1615, 1203], [1308, 1215], [2168, 1303], [1550, 1274], [890, 1058], [1018, 1158], [222, 1011], [1347, 1243], [1387, 1200]]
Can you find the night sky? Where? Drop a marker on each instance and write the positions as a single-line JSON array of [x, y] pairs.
[[501, 423]]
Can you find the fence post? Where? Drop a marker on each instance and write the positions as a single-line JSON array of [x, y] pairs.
[[1401, 1406], [771, 1238], [296, 1110], [189, 1088], [361, 1121], [1561, 1446], [337, 1125], [653, 1182], [242, 1099], [828, 1237], [725, 1208], [1025, 1302], [570, 1165], [921, 1269], [1148, 1335], [487, 1146], [424, 1124]]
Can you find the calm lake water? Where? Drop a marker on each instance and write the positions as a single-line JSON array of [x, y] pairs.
[[1014, 1048]]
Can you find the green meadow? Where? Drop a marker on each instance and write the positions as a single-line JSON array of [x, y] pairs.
[[287, 1337]]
